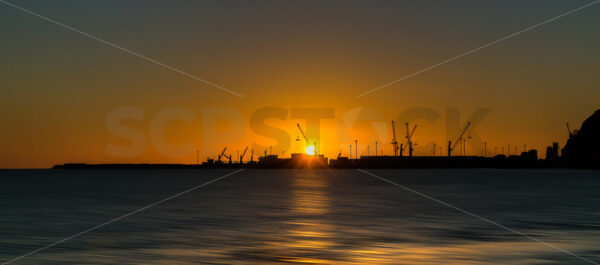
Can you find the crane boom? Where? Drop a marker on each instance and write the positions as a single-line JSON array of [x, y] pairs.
[[243, 154], [222, 153], [303, 135], [412, 132], [461, 135], [228, 157]]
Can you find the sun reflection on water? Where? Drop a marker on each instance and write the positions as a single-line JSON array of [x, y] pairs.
[[315, 238], [310, 236], [320, 218]]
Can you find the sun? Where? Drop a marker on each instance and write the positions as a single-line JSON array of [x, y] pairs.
[[310, 150]]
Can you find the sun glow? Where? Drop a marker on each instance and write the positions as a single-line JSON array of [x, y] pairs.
[[310, 150]]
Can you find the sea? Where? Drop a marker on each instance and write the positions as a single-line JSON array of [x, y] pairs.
[[300, 216]]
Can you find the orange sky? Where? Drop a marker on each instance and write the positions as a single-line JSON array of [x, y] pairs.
[[59, 86]]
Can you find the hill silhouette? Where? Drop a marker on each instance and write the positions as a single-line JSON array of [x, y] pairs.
[[583, 146]]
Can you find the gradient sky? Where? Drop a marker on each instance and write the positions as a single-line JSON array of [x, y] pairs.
[[58, 86]]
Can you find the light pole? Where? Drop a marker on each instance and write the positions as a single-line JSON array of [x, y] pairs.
[[484, 149]]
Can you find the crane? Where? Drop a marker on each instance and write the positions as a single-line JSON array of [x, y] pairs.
[[243, 154], [452, 146], [306, 139], [222, 153], [303, 135], [409, 139], [394, 142]]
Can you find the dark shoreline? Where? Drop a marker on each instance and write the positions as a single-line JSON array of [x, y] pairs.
[[379, 162]]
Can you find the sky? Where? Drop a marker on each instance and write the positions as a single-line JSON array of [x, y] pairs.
[[60, 88]]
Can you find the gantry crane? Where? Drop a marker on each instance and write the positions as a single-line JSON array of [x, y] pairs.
[[243, 154], [452, 146], [409, 139], [394, 142], [305, 138], [303, 135], [222, 154]]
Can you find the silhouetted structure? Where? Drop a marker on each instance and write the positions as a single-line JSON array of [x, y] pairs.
[[583, 147], [552, 152], [530, 155], [581, 151], [341, 162], [295, 161]]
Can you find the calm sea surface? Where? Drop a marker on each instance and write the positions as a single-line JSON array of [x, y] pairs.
[[300, 216]]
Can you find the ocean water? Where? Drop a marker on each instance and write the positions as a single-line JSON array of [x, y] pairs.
[[300, 216]]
